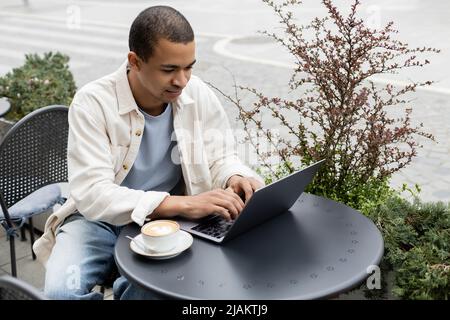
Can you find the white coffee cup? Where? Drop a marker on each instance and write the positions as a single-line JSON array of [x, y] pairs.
[[160, 235]]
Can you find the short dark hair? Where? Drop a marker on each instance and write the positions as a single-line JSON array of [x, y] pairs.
[[155, 23]]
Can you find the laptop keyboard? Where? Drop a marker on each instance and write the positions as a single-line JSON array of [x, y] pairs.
[[215, 227]]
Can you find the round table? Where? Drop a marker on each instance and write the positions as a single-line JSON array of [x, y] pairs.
[[318, 249], [4, 106]]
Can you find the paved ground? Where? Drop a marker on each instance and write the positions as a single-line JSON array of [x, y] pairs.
[[94, 34]]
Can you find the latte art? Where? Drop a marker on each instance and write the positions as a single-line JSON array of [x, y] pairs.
[[160, 228]]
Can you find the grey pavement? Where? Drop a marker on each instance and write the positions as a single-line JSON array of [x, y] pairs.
[[94, 34]]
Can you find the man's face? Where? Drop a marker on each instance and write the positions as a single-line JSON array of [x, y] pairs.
[[167, 71]]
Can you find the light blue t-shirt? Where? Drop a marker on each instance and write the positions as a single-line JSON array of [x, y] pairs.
[[157, 165]]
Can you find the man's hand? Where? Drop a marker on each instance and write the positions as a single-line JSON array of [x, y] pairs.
[[243, 186], [227, 202], [224, 202]]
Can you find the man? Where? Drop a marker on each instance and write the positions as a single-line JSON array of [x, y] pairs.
[[125, 164]]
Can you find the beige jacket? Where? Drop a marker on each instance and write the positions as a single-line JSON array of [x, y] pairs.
[[105, 131]]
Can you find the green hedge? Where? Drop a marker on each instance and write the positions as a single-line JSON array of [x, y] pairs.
[[417, 246], [41, 81]]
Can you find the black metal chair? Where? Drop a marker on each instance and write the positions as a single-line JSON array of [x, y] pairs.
[[14, 289], [33, 160]]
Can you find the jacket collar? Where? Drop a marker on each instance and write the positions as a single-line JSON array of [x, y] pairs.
[[125, 96]]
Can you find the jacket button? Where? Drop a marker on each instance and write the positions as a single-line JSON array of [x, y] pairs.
[[138, 132], [125, 167]]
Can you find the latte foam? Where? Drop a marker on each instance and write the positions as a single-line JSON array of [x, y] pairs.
[[160, 228]]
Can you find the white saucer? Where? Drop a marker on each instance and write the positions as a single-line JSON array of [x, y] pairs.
[[184, 241]]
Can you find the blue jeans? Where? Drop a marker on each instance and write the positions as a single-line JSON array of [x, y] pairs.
[[82, 258]]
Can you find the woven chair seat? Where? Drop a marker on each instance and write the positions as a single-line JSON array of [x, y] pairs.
[[38, 202]]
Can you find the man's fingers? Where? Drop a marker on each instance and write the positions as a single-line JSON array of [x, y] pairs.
[[255, 184], [247, 188], [235, 197], [227, 200], [228, 205], [223, 212], [236, 202]]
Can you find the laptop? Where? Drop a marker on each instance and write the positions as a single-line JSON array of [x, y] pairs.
[[266, 203]]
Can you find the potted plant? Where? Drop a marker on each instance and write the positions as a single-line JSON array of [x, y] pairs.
[[40, 81]]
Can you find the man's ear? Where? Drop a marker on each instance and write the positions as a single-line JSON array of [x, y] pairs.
[[133, 61]]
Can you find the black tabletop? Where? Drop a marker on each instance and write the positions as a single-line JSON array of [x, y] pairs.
[[317, 249]]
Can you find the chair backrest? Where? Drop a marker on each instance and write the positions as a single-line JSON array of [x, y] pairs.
[[33, 153], [14, 289]]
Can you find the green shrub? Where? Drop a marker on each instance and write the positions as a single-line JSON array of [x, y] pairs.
[[41, 81], [417, 246]]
